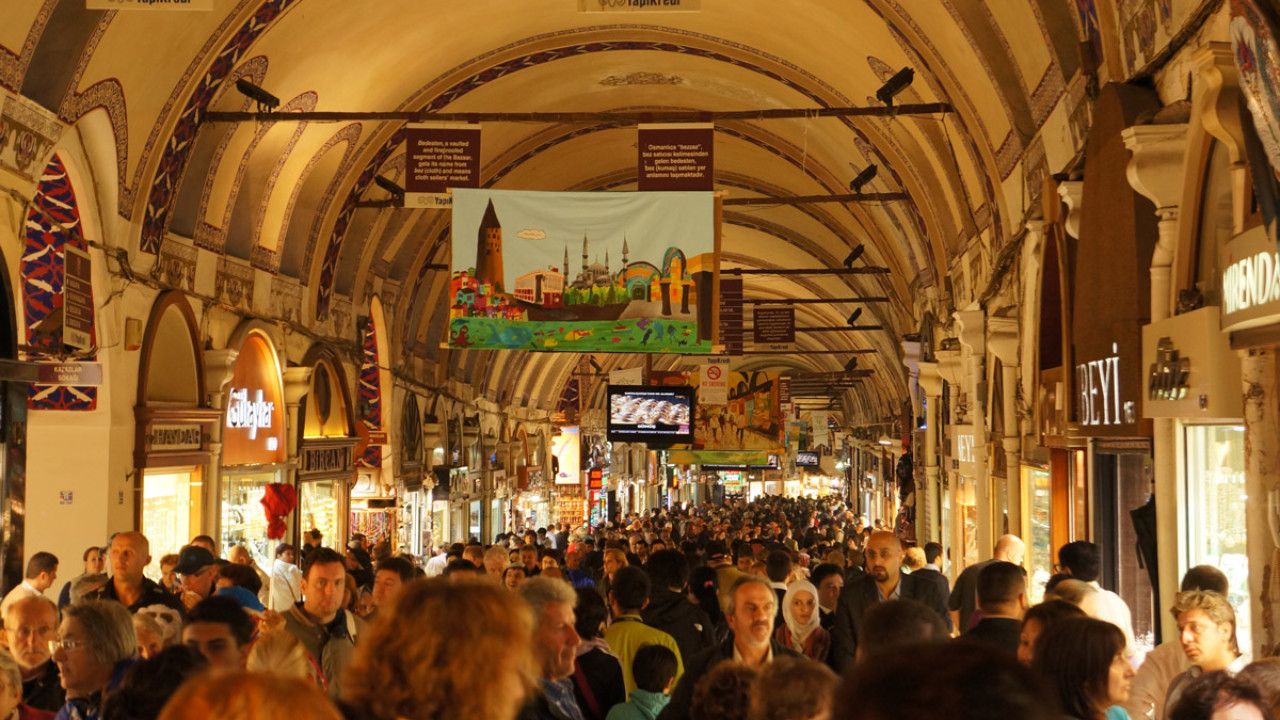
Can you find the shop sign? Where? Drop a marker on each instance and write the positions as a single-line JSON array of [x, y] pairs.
[[77, 299], [731, 315], [964, 449], [1098, 385], [250, 412], [632, 5], [1170, 374], [675, 157], [440, 156], [329, 460], [165, 438], [1250, 281], [85, 374], [1192, 372]]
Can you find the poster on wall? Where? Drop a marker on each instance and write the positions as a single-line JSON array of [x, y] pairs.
[[438, 157], [566, 456], [583, 272], [750, 419]]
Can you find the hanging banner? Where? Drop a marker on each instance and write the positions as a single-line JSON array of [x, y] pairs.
[[749, 420], [675, 157], [774, 328], [439, 157], [713, 387], [644, 280], [566, 454]]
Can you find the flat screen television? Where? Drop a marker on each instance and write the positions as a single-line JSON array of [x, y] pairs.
[[651, 414], [806, 458]]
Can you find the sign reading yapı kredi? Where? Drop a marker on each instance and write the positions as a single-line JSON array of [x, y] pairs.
[[583, 271], [639, 5]]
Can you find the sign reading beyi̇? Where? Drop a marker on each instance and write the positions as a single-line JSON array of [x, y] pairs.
[[1250, 281], [1098, 392], [253, 426]]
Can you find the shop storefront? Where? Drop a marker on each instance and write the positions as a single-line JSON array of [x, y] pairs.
[[171, 452], [326, 453], [408, 508], [253, 448]]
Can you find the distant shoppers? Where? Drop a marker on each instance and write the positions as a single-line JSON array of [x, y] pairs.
[[42, 570]]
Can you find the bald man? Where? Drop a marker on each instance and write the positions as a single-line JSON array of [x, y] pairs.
[[127, 555], [964, 596], [884, 581]]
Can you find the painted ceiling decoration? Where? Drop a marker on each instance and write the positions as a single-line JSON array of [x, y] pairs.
[[287, 199]]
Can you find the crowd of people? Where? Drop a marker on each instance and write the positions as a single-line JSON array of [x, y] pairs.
[[778, 609]]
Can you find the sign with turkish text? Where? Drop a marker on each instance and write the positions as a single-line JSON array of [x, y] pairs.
[[1100, 401], [1191, 370], [170, 437], [731, 315], [83, 374], [321, 458], [675, 157], [637, 5], [963, 449], [77, 299], [774, 328], [439, 157]]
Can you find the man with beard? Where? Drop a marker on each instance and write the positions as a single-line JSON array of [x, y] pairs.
[[752, 607], [884, 581]]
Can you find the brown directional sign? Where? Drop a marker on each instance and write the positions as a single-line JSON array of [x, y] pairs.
[[731, 315], [77, 299], [771, 326]]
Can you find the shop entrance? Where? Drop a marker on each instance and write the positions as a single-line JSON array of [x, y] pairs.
[[243, 520], [172, 506], [1122, 483]]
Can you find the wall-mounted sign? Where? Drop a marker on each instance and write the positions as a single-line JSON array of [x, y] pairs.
[[566, 457], [774, 328], [163, 438], [675, 157], [713, 387], [964, 449], [77, 299], [323, 459], [731, 315], [1250, 281], [70, 373], [1192, 372], [253, 422], [1098, 393], [439, 157], [163, 5]]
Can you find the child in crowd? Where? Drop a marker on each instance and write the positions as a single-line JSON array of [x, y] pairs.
[[654, 669]]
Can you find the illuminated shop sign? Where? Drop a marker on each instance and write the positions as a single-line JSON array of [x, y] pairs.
[[1170, 374], [1250, 281], [1098, 385], [249, 413]]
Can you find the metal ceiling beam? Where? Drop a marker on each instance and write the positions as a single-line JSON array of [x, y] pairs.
[[767, 200], [816, 301], [865, 270], [617, 118]]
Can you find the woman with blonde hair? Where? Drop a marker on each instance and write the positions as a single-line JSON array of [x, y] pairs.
[[408, 665], [248, 696], [279, 651]]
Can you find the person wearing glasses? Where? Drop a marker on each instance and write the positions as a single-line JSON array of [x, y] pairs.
[[94, 648], [29, 625]]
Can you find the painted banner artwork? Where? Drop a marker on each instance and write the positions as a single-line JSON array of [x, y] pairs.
[[750, 420], [642, 278]]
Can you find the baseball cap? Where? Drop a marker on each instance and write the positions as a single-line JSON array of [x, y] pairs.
[[193, 559]]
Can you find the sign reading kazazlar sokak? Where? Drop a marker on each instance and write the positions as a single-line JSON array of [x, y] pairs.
[[639, 5]]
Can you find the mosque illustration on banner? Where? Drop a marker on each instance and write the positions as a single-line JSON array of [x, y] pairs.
[[629, 298]]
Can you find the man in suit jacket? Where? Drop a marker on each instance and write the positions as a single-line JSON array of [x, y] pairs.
[[933, 571], [750, 616], [1002, 598], [884, 581]]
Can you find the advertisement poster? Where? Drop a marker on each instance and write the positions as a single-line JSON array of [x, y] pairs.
[[749, 420], [583, 272], [566, 456]]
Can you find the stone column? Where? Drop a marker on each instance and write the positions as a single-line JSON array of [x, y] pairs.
[[929, 527], [950, 368], [1156, 170], [1262, 471], [297, 383], [1003, 340], [972, 326], [219, 365]]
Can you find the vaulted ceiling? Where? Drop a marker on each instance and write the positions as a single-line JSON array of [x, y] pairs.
[[283, 195]]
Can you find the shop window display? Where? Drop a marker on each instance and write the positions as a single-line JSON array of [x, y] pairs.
[[170, 504], [1216, 533], [244, 521], [318, 504]]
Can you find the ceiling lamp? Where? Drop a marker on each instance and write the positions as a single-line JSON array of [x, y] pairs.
[[265, 100], [900, 81]]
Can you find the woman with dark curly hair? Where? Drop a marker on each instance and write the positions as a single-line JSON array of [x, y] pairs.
[[408, 665], [1083, 661]]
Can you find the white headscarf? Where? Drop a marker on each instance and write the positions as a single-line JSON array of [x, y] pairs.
[[799, 633]]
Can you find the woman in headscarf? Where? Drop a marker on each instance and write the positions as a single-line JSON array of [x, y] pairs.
[[801, 629]]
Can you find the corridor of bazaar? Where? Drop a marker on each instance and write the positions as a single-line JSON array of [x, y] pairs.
[[668, 303]]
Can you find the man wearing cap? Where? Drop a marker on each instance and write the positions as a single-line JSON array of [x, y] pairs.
[[726, 573], [128, 554], [197, 569]]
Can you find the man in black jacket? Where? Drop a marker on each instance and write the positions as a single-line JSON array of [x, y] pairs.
[[750, 614], [670, 611], [1002, 598], [884, 581]]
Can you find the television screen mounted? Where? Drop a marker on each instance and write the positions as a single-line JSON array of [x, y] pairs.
[[806, 458], [653, 415]]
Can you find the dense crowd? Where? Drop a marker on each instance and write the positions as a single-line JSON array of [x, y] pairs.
[[781, 609]]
